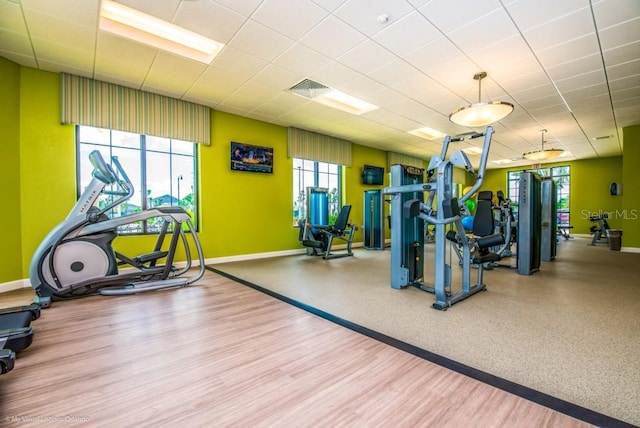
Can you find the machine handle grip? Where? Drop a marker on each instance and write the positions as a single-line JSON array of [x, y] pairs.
[[101, 170]]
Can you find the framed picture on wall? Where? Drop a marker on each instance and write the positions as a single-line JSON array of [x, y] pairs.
[[247, 157]]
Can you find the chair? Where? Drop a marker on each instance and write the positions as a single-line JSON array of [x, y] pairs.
[[483, 230], [319, 239]]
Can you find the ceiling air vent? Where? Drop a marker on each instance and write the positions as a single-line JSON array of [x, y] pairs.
[[309, 89]]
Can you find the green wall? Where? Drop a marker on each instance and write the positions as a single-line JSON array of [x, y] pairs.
[[245, 212], [590, 180], [10, 215], [630, 213], [47, 160], [354, 189]]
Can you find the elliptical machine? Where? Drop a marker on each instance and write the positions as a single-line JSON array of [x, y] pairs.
[[77, 258]]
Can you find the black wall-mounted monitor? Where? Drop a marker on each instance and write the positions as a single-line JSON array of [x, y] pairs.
[[247, 157], [373, 175]]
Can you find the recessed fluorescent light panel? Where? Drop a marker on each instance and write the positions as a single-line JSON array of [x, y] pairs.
[[427, 133], [474, 150], [140, 27], [502, 161], [344, 102], [331, 97]]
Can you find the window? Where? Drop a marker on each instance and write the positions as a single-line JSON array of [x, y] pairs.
[[162, 171], [308, 173], [562, 177]]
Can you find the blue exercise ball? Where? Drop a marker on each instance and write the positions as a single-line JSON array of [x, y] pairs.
[[467, 222]]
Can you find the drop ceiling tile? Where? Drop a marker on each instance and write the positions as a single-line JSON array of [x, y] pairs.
[[626, 94], [407, 34], [621, 54], [277, 77], [25, 60], [366, 57], [585, 46], [281, 104], [16, 43], [621, 34], [239, 63], [624, 69], [125, 59], [11, 17], [244, 7], [363, 14], [447, 17], [612, 12], [172, 74], [293, 19], [62, 54], [623, 83], [80, 66], [527, 14], [196, 17], [418, 3], [388, 73], [65, 10], [335, 75], [248, 96], [558, 31], [52, 30], [497, 26], [160, 9], [259, 41], [332, 37], [213, 86], [433, 53], [583, 80], [575, 67], [300, 59], [329, 5], [505, 58]]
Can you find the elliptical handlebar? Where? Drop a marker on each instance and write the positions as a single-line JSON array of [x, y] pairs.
[[101, 170], [107, 176]]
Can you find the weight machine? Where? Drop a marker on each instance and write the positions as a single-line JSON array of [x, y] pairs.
[[373, 230], [409, 213], [600, 231]]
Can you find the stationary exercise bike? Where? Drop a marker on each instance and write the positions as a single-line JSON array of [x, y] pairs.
[[77, 258]]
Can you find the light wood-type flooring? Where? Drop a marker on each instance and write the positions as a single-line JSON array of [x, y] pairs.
[[219, 354]]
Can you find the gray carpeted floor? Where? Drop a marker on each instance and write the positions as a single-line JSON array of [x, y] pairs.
[[571, 330]]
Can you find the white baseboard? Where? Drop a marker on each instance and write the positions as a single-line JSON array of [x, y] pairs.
[[14, 285], [243, 257], [630, 249]]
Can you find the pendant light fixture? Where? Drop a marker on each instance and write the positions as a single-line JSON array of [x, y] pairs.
[[481, 114], [543, 154]]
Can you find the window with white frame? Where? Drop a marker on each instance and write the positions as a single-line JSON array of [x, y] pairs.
[[162, 171], [308, 173]]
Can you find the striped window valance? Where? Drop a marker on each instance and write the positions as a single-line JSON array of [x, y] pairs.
[[318, 147], [398, 158], [91, 102]]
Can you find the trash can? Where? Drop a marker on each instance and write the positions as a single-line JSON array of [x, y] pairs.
[[615, 239]]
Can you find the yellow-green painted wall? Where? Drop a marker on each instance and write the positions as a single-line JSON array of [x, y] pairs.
[[245, 212], [630, 214], [10, 214], [47, 160], [354, 189], [590, 180]]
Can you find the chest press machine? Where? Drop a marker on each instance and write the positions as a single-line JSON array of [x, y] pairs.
[[408, 217]]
